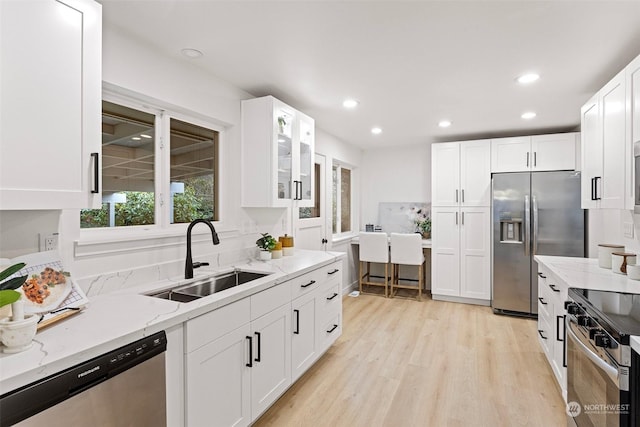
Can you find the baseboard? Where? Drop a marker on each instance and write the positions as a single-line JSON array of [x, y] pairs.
[[486, 303]]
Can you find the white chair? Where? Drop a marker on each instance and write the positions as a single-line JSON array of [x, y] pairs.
[[374, 247], [406, 249]]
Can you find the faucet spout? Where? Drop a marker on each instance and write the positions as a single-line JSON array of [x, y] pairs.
[[188, 265]]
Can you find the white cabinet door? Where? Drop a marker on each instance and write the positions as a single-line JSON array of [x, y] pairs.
[[511, 154], [445, 251], [445, 174], [303, 334], [271, 371], [475, 253], [553, 152], [591, 147], [613, 183], [475, 173], [50, 107], [633, 91], [218, 382]]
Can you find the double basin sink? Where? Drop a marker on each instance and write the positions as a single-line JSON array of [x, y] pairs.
[[207, 286]]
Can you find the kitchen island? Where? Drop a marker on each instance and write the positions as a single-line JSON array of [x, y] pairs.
[[116, 319]]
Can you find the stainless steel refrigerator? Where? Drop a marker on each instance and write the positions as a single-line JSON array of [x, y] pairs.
[[534, 213]]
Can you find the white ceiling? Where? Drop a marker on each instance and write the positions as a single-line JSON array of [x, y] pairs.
[[410, 64]]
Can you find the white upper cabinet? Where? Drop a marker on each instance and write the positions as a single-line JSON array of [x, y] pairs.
[[607, 160], [461, 173], [50, 108], [633, 116], [277, 157], [534, 153]]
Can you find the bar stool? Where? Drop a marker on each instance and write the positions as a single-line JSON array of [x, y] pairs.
[[374, 247], [406, 249]]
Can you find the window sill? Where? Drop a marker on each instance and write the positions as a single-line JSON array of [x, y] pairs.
[[111, 241]]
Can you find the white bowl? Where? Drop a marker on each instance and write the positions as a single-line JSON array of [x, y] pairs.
[[604, 254]]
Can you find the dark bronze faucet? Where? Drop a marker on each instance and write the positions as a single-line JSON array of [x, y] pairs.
[[188, 266]]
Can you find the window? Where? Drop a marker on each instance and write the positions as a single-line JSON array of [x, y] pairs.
[[341, 209], [313, 212], [144, 165]]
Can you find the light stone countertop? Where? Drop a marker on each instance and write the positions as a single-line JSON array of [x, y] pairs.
[[116, 319]]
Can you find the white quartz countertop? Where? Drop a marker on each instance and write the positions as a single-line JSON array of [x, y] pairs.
[[635, 344], [116, 319], [585, 273]]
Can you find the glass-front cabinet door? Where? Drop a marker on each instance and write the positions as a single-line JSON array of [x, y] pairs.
[[284, 143], [305, 184]]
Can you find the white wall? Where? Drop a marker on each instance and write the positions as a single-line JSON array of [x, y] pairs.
[[607, 226], [398, 174]]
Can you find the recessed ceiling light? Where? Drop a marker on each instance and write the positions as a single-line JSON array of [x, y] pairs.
[[376, 131], [528, 78], [528, 115], [144, 135], [350, 103], [444, 123], [136, 138], [191, 53]]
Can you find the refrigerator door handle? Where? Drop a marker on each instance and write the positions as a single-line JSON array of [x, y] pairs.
[[527, 225], [535, 224]]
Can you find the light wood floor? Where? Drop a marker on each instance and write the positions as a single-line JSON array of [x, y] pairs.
[[431, 363]]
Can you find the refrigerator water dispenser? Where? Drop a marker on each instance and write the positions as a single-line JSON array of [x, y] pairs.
[[511, 230]]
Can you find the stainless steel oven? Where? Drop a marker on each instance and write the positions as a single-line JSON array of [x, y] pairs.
[[602, 376]]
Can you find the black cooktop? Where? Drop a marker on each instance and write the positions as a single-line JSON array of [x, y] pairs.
[[620, 310]]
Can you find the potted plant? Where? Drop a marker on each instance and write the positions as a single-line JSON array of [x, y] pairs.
[[266, 243], [424, 226], [281, 124], [17, 331]]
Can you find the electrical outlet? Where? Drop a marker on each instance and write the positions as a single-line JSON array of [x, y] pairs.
[[628, 230], [48, 241]]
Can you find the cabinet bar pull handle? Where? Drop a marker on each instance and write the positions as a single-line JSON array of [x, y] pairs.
[[535, 158], [456, 196], [250, 364], [540, 331], [308, 284], [332, 329], [257, 359], [527, 159], [542, 301], [456, 218], [332, 296], [463, 195], [462, 218], [333, 272], [596, 187], [542, 275], [593, 197], [297, 313], [553, 288], [96, 173], [564, 346], [558, 328]]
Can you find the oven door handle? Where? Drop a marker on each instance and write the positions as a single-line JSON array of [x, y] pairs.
[[608, 369]]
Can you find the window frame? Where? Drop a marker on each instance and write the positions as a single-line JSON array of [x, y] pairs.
[[162, 226]]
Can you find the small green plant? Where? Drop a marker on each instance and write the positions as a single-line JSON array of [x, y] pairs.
[[424, 225], [8, 293], [266, 242]]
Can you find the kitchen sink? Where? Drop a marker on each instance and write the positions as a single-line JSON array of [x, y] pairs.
[[208, 286]]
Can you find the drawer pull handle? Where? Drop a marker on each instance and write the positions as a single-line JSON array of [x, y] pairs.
[[553, 288], [250, 364], [542, 275], [96, 173], [332, 329], [542, 301], [308, 284], [257, 359], [540, 331], [297, 313], [333, 272], [332, 296]]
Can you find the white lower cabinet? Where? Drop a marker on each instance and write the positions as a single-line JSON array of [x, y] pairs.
[[551, 323], [241, 357], [271, 370]]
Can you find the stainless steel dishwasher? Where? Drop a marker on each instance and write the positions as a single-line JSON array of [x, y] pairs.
[[125, 387]]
